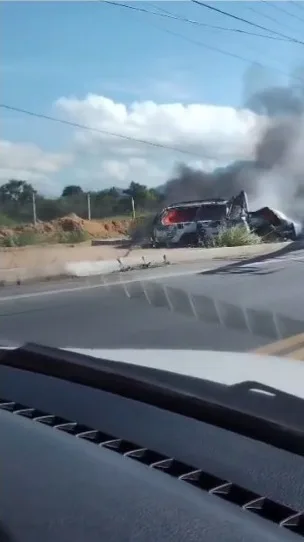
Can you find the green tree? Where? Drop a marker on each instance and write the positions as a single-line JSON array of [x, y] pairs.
[[16, 201], [16, 191], [71, 190], [138, 192]]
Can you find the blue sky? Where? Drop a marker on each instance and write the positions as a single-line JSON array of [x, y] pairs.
[[55, 49]]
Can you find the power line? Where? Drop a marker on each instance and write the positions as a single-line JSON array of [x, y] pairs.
[[262, 14], [282, 10], [97, 130], [213, 48], [241, 19], [226, 53], [236, 30], [130, 138], [267, 16], [297, 4], [168, 15], [243, 31]]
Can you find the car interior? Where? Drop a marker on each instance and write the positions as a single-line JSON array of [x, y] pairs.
[[96, 450]]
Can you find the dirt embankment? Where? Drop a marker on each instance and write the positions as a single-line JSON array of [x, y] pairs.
[[103, 229]]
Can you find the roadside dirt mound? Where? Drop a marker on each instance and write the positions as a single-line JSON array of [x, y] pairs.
[[103, 229], [94, 228]]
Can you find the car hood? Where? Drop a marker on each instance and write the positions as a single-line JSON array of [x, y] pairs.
[[223, 367]]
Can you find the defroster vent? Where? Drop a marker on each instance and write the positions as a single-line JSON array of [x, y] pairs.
[[283, 516]]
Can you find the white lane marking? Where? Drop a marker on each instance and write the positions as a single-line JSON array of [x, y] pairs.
[[103, 285]]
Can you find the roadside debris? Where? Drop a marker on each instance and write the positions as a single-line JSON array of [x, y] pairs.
[[144, 265]]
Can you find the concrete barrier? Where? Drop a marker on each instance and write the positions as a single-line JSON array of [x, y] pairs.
[[42, 263], [87, 269], [154, 258]]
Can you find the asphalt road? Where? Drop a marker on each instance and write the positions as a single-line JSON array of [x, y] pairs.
[[237, 308]]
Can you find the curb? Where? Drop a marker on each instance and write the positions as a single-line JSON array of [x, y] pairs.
[[87, 269], [143, 260], [153, 258]]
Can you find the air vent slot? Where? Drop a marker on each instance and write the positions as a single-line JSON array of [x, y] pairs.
[[282, 516]]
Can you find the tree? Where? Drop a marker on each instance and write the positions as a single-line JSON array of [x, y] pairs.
[[15, 191], [71, 190], [112, 192], [16, 201], [138, 192]]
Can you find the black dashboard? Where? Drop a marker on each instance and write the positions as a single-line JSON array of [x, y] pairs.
[[83, 464]]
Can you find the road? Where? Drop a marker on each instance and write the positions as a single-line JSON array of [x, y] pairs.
[[236, 308]]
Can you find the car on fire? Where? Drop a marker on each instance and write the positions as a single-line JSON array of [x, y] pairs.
[[196, 223]]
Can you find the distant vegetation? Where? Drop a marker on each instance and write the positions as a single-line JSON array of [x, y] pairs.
[[16, 202]]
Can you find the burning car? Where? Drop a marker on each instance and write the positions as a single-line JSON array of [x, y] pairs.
[[176, 224], [194, 223]]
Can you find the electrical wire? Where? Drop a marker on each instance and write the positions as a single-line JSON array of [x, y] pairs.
[[168, 15], [205, 45], [213, 48], [296, 4], [282, 10], [270, 18], [241, 19], [97, 130]]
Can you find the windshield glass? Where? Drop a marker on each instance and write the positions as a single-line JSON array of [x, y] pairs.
[[110, 133], [212, 212]]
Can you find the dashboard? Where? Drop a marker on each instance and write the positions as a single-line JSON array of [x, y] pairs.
[[83, 464]]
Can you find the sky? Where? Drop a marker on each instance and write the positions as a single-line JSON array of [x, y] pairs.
[[180, 85]]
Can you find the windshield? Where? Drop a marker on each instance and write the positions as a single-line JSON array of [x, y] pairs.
[[212, 212], [110, 133]]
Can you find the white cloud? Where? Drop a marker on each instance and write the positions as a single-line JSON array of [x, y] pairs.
[[28, 162], [212, 135]]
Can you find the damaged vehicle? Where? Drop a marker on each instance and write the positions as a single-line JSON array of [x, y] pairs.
[[196, 223], [176, 225], [272, 225]]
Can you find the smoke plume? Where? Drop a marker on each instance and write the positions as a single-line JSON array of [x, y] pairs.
[[275, 174]]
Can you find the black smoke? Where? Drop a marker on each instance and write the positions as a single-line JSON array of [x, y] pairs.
[[275, 174]]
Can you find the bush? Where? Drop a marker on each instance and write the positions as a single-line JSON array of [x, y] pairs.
[[77, 236], [21, 240], [235, 237], [6, 221]]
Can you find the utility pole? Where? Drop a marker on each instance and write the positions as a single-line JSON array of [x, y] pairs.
[[133, 207], [34, 208], [89, 205]]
